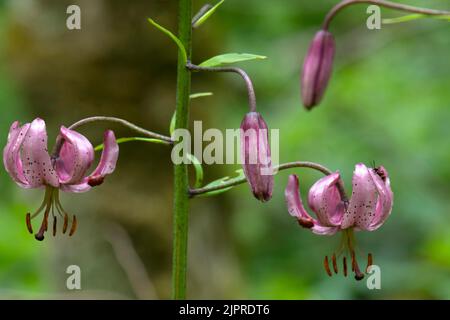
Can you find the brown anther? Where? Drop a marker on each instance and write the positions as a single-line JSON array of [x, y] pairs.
[[344, 262], [95, 180], [66, 223], [73, 228], [335, 267], [305, 223], [327, 266], [29, 225], [369, 262], [54, 226]]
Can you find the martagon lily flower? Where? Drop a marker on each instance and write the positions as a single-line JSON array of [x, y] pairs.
[[368, 208], [28, 162]]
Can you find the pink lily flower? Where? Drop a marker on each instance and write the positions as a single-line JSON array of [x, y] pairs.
[[368, 208], [28, 162]]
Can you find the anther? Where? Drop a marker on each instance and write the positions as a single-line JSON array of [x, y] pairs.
[[54, 226], [66, 223], [305, 223], [95, 180], [369, 262], [29, 226], [344, 262], [74, 226], [335, 267], [327, 266]]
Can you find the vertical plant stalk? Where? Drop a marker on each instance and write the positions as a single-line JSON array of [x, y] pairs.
[[181, 186]]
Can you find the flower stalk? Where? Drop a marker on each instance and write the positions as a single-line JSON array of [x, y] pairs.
[[284, 166], [382, 3], [239, 71]]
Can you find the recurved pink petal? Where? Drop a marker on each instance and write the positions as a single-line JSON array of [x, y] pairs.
[[324, 199], [294, 203], [106, 166], [108, 159], [11, 153], [37, 166], [362, 206], [385, 197], [75, 157]]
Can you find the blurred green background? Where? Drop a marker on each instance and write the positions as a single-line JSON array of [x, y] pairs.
[[388, 102]]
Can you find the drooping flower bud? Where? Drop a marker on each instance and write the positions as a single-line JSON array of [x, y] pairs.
[[317, 68], [255, 155]]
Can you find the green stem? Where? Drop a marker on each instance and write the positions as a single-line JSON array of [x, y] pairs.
[[181, 199]]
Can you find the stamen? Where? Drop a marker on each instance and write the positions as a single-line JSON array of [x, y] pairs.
[[327, 266], [54, 226], [29, 225], [40, 235], [335, 267], [369, 262], [74, 226], [344, 262], [358, 274], [66, 223]]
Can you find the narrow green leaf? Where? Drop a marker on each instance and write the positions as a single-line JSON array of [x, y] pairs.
[[228, 58], [200, 95], [220, 181], [198, 170], [172, 123], [128, 139], [215, 192], [411, 17], [171, 36], [207, 14]]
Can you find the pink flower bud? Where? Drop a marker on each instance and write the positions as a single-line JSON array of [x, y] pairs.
[[317, 68], [255, 155]]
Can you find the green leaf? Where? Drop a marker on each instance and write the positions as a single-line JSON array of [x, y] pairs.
[[228, 58], [198, 170], [200, 95], [221, 181], [411, 17], [171, 36], [128, 139], [172, 123], [207, 14]]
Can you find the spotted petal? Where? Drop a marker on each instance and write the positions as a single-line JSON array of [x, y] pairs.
[[362, 206], [106, 165], [324, 199], [75, 157], [37, 166], [11, 153], [385, 198]]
